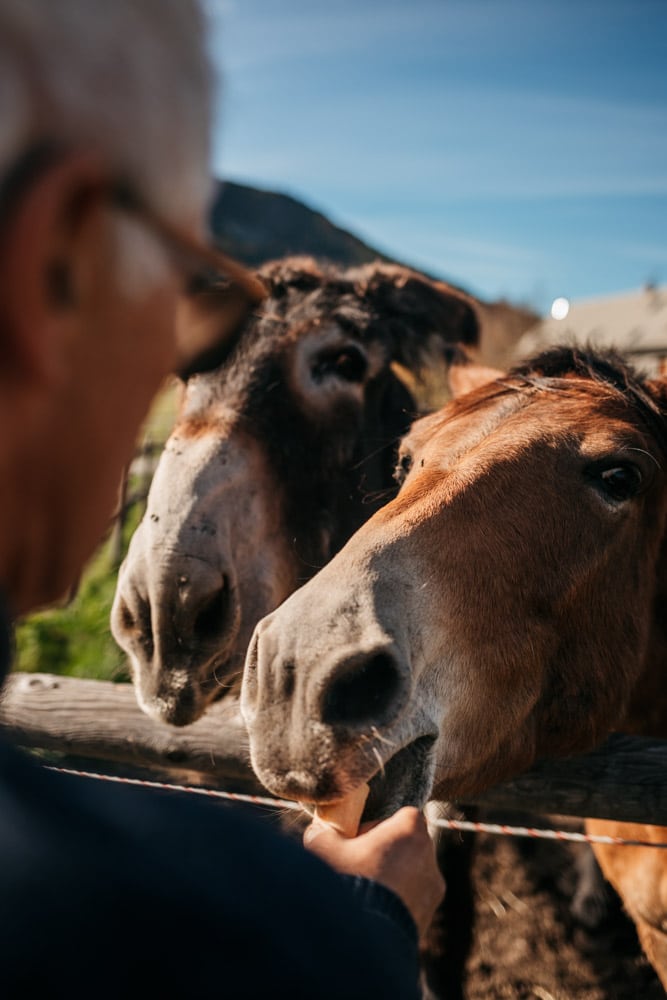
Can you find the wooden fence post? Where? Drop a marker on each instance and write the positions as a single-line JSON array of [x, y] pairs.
[[625, 779]]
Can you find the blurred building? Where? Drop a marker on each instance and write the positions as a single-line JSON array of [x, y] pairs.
[[634, 323]]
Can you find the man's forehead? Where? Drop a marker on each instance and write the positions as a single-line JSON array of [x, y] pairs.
[[129, 81]]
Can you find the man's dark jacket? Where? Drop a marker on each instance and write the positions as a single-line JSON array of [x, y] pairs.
[[117, 891]]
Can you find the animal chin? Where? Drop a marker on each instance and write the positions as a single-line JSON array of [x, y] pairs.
[[180, 710], [405, 780]]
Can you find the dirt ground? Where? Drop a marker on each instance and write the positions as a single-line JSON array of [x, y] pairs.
[[526, 944]]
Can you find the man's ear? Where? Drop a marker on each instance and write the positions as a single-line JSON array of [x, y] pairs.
[[38, 272], [464, 375]]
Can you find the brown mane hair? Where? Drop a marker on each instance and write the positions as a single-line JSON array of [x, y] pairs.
[[607, 368]]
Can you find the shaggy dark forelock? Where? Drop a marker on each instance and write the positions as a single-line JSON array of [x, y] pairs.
[[605, 367]]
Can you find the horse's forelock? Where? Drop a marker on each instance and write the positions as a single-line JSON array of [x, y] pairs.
[[604, 367], [600, 365]]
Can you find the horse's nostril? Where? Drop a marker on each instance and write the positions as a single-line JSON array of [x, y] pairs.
[[365, 692], [210, 619]]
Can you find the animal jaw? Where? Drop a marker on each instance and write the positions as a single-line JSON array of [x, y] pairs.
[[404, 779], [184, 696]]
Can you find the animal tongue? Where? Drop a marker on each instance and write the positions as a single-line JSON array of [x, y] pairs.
[[345, 815]]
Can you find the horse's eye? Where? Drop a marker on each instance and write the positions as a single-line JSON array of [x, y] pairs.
[[403, 466], [621, 482], [347, 363]]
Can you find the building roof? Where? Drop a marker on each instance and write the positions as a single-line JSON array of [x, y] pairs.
[[634, 323]]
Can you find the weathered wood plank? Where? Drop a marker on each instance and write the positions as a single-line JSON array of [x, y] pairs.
[[626, 779], [101, 720]]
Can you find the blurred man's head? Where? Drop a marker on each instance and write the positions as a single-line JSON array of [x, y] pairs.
[[128, 78], [96, 101]]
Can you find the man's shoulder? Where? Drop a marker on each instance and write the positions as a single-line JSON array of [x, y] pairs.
[[157, 844], [50, 807], [182, 885]]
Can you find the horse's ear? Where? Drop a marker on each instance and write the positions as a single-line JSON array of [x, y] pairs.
[[657, 387], [422, 321], [464, 375]]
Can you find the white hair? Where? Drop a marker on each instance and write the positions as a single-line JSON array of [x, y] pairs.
[[128, 78]]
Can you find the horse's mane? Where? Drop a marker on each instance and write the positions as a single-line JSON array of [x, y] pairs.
[[605, 367]]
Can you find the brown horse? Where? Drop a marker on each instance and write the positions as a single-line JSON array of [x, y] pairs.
[[509, 604], [276, 459]]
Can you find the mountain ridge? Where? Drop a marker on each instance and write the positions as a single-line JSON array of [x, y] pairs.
[[256, 225]]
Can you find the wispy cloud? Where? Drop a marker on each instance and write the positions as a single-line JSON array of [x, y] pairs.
[[481, 144], [499, 134], [653, 254]]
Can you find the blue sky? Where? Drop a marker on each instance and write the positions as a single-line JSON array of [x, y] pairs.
[[516, 147]]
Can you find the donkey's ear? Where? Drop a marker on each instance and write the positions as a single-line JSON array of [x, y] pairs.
[[420, 320], [464, 375], [302, 273], [209, 321]]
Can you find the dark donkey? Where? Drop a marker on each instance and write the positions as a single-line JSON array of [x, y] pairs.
[[277, 457], [510, 603]]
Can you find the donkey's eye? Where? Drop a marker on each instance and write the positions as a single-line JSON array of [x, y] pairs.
[[621, 482], [347, 363], [403, 466]]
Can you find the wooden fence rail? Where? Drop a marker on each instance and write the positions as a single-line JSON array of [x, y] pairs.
[[626, 779]]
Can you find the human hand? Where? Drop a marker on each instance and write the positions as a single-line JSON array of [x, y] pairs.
[[396, 852]]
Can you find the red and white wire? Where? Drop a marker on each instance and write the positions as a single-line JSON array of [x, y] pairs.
[[501, 829]]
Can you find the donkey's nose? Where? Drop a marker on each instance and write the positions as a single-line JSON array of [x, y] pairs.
[[367, 690], [191, 608], [185, 610]]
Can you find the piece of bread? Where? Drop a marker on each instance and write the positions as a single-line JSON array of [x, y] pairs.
[[345, 815]]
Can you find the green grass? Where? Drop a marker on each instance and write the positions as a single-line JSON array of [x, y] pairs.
[[76, 639]]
